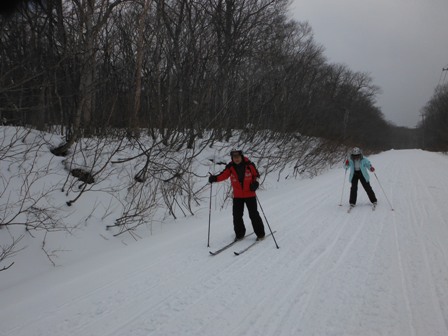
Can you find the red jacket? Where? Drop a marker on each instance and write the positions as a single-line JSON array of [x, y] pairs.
[[250, 175]]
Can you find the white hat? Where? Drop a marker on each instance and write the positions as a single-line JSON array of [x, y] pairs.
[[356, 151]]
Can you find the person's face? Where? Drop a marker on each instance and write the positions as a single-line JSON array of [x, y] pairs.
[[237, 158]]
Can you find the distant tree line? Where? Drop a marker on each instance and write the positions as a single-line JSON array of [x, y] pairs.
[[89, 66], [434, 125]]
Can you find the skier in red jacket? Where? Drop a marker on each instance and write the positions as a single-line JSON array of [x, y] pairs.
[[244, 178]]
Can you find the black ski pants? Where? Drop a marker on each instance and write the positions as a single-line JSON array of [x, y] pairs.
[[357, 176], [238, 211]]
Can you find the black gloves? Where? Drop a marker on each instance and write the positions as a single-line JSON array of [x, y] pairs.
[[212, 179], [254, 186]]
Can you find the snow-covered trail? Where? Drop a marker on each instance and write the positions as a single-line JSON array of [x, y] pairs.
[[379, 272]]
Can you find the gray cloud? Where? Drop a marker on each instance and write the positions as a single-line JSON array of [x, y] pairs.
[[402, 44]]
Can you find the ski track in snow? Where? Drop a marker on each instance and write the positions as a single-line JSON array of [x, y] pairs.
[[368, 273]]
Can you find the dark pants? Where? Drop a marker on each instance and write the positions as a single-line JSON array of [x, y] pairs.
[[238, 211], [357, 176]]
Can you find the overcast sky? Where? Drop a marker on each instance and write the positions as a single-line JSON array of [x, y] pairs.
[[402, 44]]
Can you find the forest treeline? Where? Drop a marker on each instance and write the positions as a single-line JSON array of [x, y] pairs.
[[434, 124], [90, 66]]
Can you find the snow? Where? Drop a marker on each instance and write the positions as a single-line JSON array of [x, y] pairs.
[[379, 272]]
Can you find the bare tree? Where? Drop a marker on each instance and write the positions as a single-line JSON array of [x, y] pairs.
[[24, 204], [93, 17]]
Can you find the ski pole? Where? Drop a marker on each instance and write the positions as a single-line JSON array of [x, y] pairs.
[[343, 185], [210, 207], [272, 233], [383, 191], [209, 215]]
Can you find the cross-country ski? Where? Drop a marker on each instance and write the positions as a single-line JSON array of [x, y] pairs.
[[252, 244], [225, 247], [351, 207]]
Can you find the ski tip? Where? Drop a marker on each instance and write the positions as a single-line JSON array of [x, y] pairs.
[[211, 253], [236, 253]]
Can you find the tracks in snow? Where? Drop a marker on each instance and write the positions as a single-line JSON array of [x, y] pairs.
[[366, 273]]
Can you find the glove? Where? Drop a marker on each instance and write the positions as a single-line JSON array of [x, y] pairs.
[[212, 179], [254, 186], [346, 162], [372, 169]]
